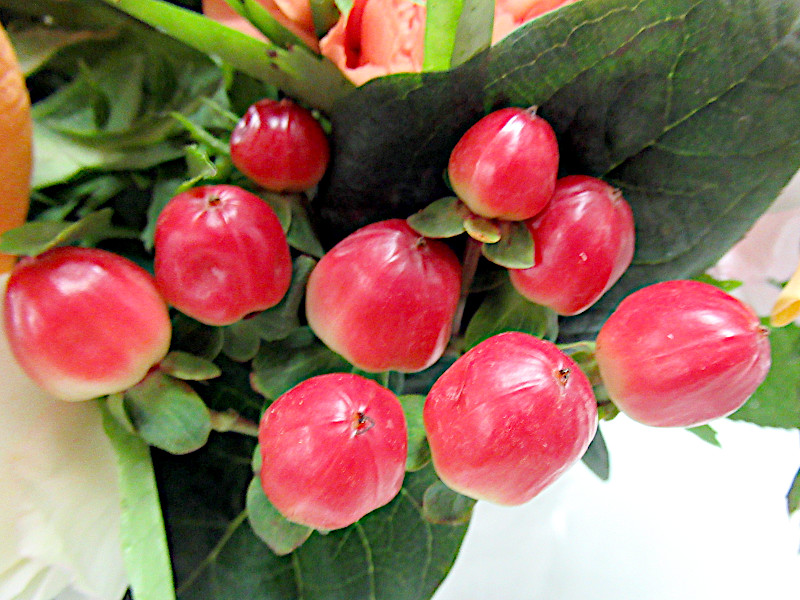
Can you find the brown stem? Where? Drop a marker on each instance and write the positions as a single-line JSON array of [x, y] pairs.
[[472, 253]]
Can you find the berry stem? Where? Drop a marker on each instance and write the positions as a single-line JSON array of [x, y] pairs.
[[232, 421], [469, 266]]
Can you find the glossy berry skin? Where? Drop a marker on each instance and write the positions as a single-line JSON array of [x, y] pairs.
[[508, 417], [584, 241], [221, 254], [84, 322], [333, 449], [280, 146], [681, 353], [385, 297], [505, 166]]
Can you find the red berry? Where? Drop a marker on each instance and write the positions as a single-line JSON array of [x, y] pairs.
[[505, 166], [508, 417], [681, 353], [333, 449], [84, 322], [584, 241], [280, 146], [221, 254], [385, 297]]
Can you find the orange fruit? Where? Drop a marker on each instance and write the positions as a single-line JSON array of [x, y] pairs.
[[15, 144]]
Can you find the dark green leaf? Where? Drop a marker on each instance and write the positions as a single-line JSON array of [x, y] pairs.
[[596, 456], [442, 218], [281, 204], [691, 108], [241, 341], [196, 338], [281, 365], [793, 495], [391, 554], [144, 543], [276, 531], [301, 235], [776, 403], [37, 44], [443, 506], [705, 433], [168, 414], [505, 310], [515, 248], [183, 365], [419, 453]]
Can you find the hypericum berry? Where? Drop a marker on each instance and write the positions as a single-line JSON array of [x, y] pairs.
[[681, 353], [221, 254], [505, 166], [84, 322], [385, 297], [508, 417], [280, 146], [333, 449], [584, 242]]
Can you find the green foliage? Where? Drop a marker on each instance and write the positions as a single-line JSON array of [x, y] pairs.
[[514, 249], [443, 506], [776, 403], [705, 433], [456, 30], [276, 531], [144, 545], [596, 456], [419, 453], [183, 365], [793, 495]]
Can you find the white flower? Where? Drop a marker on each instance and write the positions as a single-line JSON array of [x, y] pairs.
[[59, 503]]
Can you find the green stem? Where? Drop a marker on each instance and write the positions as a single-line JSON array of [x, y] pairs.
[[469, 266]]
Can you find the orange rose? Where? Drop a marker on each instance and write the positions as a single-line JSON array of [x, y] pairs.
[[295, 15]]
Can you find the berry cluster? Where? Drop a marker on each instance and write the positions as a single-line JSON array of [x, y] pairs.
[[502, 422]]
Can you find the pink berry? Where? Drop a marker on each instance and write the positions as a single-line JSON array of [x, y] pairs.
[[280, 146], [221, 254], [333, 449], [84, 323], [681, 353], [584, 242], [505, 166], [508, 417], [385, 297]]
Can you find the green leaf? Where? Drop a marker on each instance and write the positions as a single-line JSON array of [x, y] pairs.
[[455, 30], [726, 285], [705, 433], [596, 456], [295, 69], [505, 310], [515, 248], [325, 14], [217, 555], [241, 341], [276, 531], [776, 402], [35, 237], [195, 337], [144, 543], [36, 45], [281, 365], [281, 204], [183, 365], [690, 107], [168, 413], [301, 235], [419, 453], [443, 506], [793, 495], [442, 218], [483, 230]]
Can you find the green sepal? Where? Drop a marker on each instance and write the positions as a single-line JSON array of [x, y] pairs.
[[443, 218], [443, 506], [515, 248], [483, 230], [276, 531], [188, 367]]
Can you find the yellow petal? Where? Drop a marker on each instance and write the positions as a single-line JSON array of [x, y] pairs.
[[787, 306]]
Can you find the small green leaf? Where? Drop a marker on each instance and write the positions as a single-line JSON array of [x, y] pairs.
[[776, 402], [281, 204], [442, 218], [596, 456], [503, 310], [443, 506], [195, 337], [325, 14], [241, 341], [183, 365], [515, 248], [705, 433], [144, 541], [281, 365], [301, 235], [276, 531], [168, 413], [419, 453], [482, 230], [726, 285], [35, 237], [793, 495], [456, 30]]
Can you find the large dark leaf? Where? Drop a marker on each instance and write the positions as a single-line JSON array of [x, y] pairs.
[[392, 553], [690, 107]]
